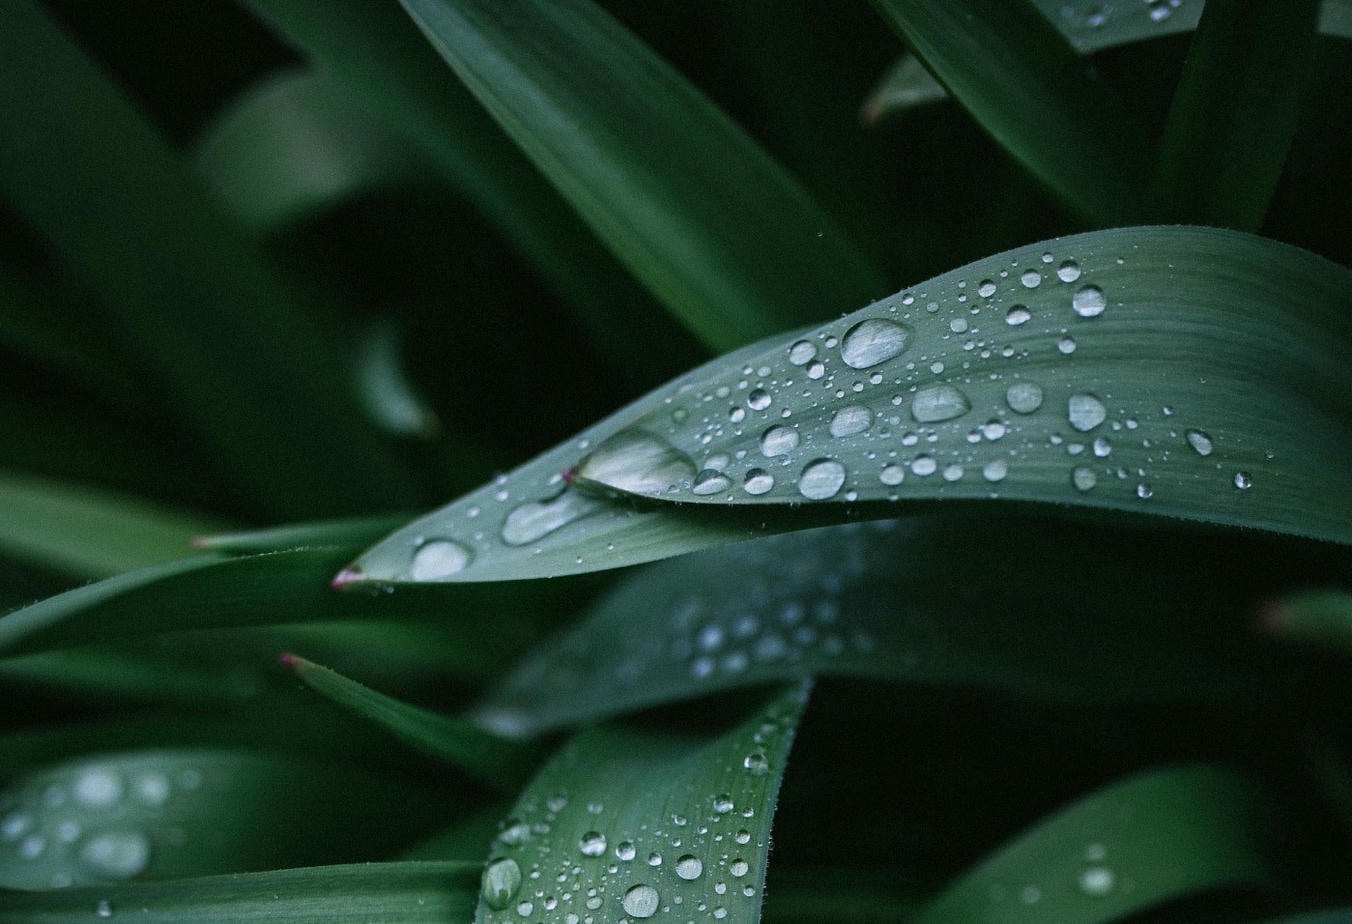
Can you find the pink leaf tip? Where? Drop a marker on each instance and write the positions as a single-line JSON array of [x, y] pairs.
[[345, 577], [289, 661]]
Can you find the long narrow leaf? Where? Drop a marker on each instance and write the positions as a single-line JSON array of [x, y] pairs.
[[680, 194], [623, 823], [416, 893], [1180, 372], [125, 216]]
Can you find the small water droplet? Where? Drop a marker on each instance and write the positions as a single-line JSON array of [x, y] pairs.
[[723, 803], [117, 854], [592, 844], [850, 420], [710, 481], [1200, 442], [1102, 447], [986, 288], [995, 470], [1097, 880], [994, 430], [1243, 480], [625, 850], [816, 371], [759, 399], [1068, 271], [1088, 301], [756, 764], [1017, 315], [103, 908], [937, 403], [1144, 491], [636, 462], [689, 867], [439, 559], [525, 909], [743, 836], [821, 479], [873, 341], [1085, 412], [15, 826], [1066, 345], [892, 474], [953, 472], [736, 414], [500, 882], [152, 788], [778, 441], [654, 859], [641, 900], [924, 465], [758, 481], [802, 352], [958, 325], [1031, 279], [1024, 397], [1083, 478]]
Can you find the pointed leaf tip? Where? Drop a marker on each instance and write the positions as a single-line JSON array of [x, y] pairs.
[[345, 577], [289, 661]]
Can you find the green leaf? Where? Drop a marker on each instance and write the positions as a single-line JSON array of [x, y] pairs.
[[349, 531], [906, 85], [1180, 372], [1010, 69], [126, 217], [1320, 617], [298, 143], [1116, 620], [163, 814], [678, 192], [408, 892], [683, 820], [1236, 109], [483, 755], [1129, 847], [87, 532], [380, 57]]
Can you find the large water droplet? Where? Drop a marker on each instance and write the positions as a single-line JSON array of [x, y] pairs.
[[1088, 301], [1017, 315], [636, 462], [689, 867], [1031, 279], [739, 868], [592, 844], [873, 341], [936, 403], [438, 559], [986, 288], [850, 420], [1024, 397], [710, 481], [641, 901], [924, 465], [802, 352], [117, 854], [500, 882], [995, 470], [1085, 412], [779, 441], [1068, 271], [98, 788], [758, 481], [892, 474], [759, 399], [534, 520], [1199, 441], [821, 478]]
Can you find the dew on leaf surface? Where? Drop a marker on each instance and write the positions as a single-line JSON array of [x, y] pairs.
[[1024, 397], [641, 901], [1088, 301], [821, 479], [850, 420], [873, 341], [937, 403], [1085, 412], [637, 462], [437, 559]]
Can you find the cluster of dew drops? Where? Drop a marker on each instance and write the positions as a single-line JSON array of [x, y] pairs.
[[693, 868]]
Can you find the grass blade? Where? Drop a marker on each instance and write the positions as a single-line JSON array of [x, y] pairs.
[[485, 756], [1129, 847], [1180, 372], [408, 892], [164, 814], [683, 820], [86, 532], [685, 199], [1235, 111], [905, 86], [174, 274], [298, 143], [350, 531], [1010, 69]]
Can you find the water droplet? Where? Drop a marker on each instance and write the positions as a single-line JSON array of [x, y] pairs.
[[821, 478], [756, 764], [986, 288], [1199, 441], [739, 868], [1243, 480], [500, 882], [892, 474], [592, 844], [515, 833], [995, 470], [152, 788], [953, 472], [743, 836], [816, 371], [439, 559], [641, 901], [924, 465], [1097, 880], [525, 909], [873, 341], [710, 481], [1085, 412], [14, 826], [689, 867], [1066, 345], [103, 908], [1031, 279], [958, 325], [994, 430], [1017, 315], [625, 850], [1088, 301], [936, 403], [1083, 478], [1068, 271], [534, 520], [654, 859], [723, 803], [802, 352], [850, 420], [98, 788], [737, 414], [758, 481], [1024, 397], [1102, 447], [636, 462], [1144, 491], [117, 854], [759, 399], [1030, 895], [778, 441]]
